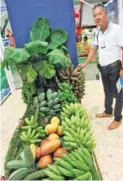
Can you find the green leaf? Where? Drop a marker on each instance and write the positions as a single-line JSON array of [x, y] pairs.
[[40, 30], [65, 49], [37, 66], [23, 69], [46, 70], [19, 56], [56, 57], [8, 52], [36, 47], [57, 38]]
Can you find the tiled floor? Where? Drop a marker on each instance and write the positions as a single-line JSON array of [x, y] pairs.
[[109, 149]]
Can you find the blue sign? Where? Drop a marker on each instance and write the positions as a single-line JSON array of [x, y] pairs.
[[60, 13]]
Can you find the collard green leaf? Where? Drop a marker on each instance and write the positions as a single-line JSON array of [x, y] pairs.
[[36, 47], [40, 30], [58, 37], [46, 70], [56, 57]]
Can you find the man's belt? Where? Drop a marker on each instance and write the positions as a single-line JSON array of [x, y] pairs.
[[110, 65]]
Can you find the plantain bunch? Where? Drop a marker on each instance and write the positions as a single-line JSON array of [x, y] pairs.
[[75, 77]]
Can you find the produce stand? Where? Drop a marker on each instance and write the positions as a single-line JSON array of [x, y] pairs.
[[53, 140]]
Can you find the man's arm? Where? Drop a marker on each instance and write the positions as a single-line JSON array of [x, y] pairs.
[[90, 56]]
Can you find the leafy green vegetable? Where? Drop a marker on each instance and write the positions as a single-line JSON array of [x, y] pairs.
[[36, 47], [46, 70], [57, 57], [58, 37], [40, 30]]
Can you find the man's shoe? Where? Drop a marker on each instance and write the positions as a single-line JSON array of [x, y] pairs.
[[103, 115], [115, 124]]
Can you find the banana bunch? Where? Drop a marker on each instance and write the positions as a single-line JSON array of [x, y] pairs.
[[53, 101], [49, 104], [31, 75], [31, 132], [75, 77], [73, 109], [29, 123], [76, 165], [77, 128], [66, 89], [40, 101]]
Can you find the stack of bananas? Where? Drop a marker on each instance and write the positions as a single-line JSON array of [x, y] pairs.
[[31, 131], [75, 77], [40, 101], [49, 104], [76, 165], [66, 89], [53, 102], [77, 127]]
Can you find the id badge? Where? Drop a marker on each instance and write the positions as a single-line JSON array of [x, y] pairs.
[[102, 44]]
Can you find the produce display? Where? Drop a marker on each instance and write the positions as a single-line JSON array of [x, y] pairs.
[[53, 140]]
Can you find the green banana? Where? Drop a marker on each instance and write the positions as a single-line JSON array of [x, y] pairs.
[[65, 172], [78, 172], [16, 164], [86, 176], [54, 169], [19, 174], [53, 176], [33, 133]]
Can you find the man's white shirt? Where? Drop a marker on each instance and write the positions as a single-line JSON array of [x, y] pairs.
[[109, 44]]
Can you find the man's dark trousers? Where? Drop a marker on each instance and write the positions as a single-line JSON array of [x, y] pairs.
[[110, 75]]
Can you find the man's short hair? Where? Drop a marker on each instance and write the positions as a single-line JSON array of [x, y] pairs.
[[99, 5]]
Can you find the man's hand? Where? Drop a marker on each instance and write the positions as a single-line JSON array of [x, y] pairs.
[[82, 66]]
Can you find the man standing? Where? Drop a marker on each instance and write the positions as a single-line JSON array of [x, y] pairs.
[[109, 41]]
